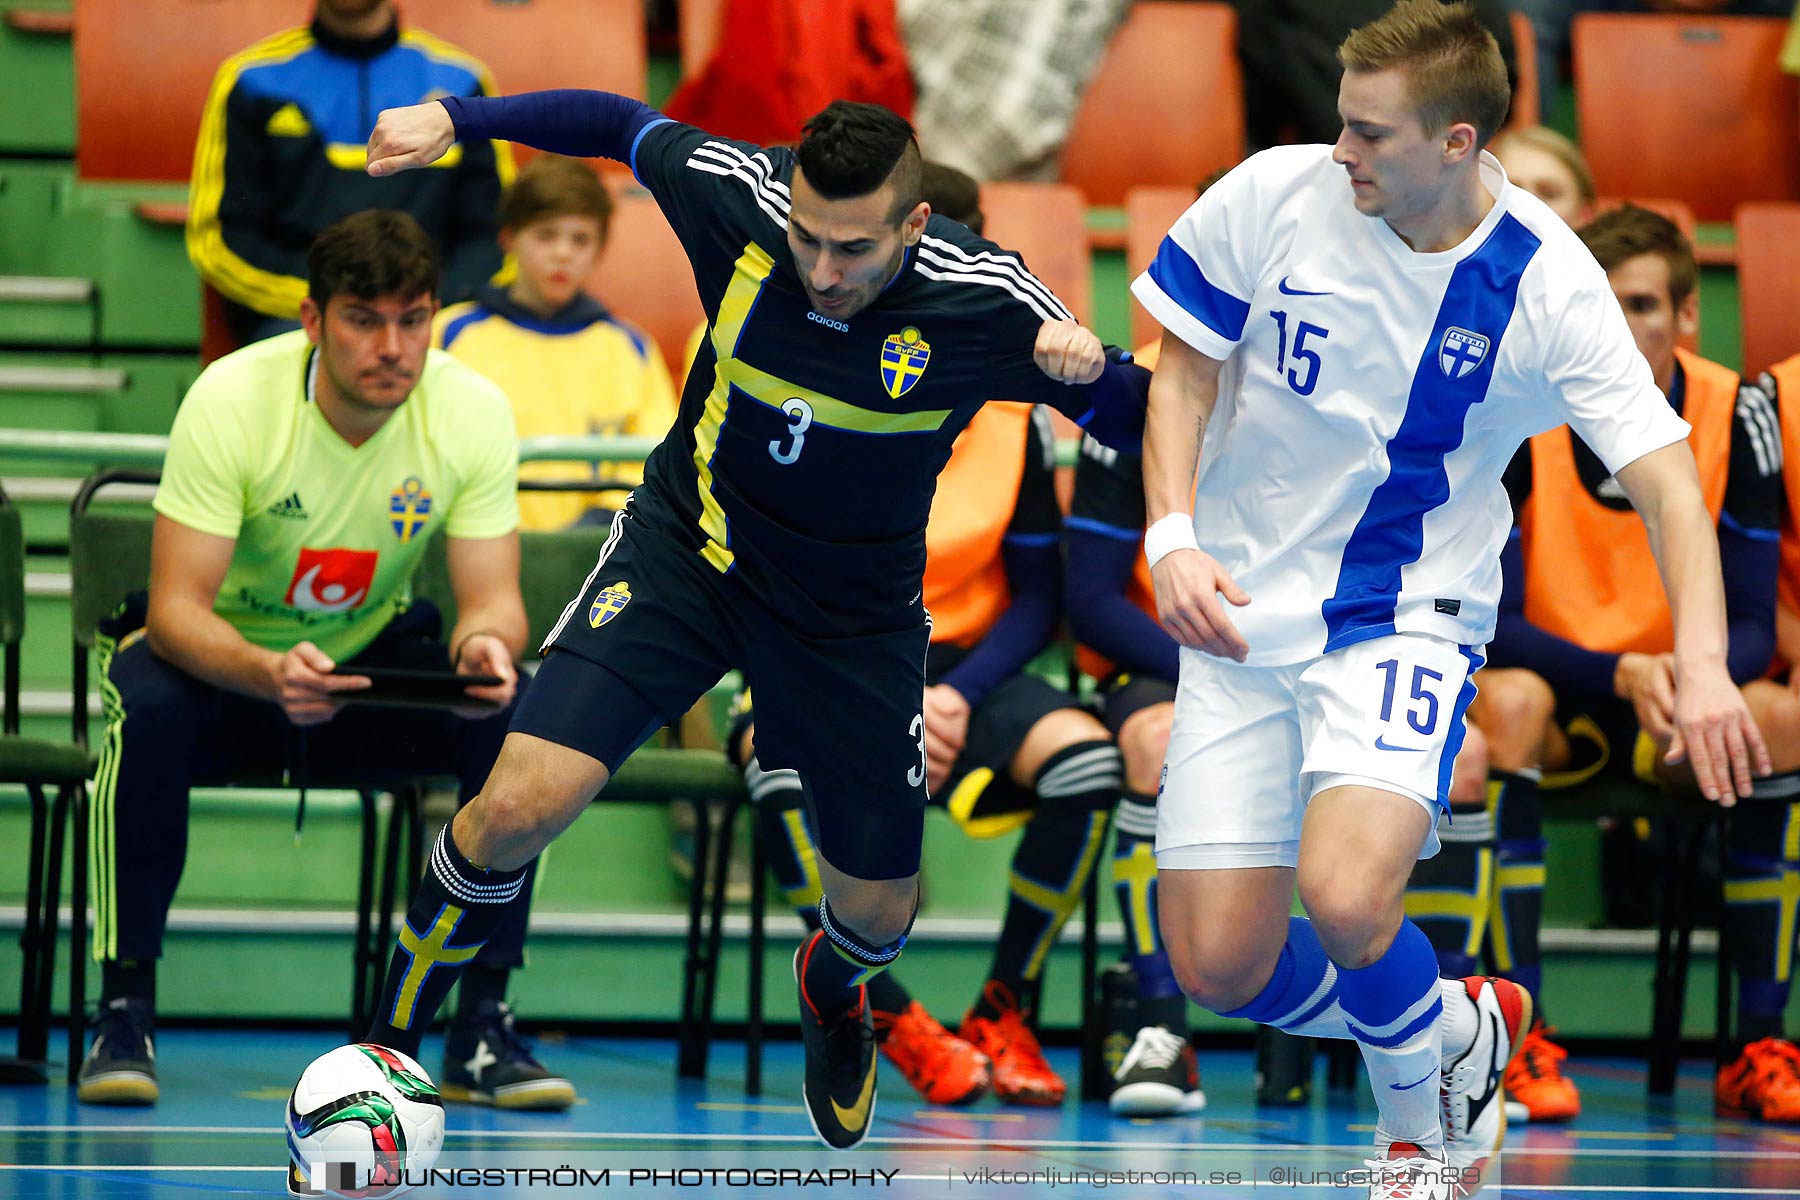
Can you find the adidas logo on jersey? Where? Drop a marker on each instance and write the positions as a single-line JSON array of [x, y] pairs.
[[291, 508]]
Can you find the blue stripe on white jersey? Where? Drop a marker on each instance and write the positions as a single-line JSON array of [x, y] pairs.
[[1176, 272], [1482, 294]]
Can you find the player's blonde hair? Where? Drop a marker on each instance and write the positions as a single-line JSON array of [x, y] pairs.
[[1453, 64]]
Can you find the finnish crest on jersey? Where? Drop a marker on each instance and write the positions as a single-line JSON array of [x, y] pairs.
[[904, 356], [1461, 352], [409, 507], [609, 603]]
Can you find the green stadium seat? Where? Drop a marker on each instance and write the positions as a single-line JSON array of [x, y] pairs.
[[37, 88], [37, 764]]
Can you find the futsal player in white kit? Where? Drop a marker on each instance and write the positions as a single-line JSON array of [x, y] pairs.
[[1356, 340]]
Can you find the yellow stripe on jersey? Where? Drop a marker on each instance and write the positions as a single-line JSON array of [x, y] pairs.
[[774, 391], [235, 277], [346, 157], [747, 279]]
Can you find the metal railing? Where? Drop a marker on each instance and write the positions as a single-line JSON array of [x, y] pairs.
[[51, 446]]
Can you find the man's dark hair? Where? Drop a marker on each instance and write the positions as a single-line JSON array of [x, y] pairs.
[[374, 253], [552, 186], [952, 193], [850, 149], [1628, 231]]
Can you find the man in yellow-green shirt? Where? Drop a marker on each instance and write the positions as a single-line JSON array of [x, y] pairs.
[[305, 476]]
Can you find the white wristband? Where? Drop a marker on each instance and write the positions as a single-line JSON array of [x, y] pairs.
[[1168, 534]]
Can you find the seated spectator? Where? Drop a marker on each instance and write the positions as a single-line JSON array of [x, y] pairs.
[[280, 157], [569, 365], [1550, 167], [305, 477], [1582, 677]]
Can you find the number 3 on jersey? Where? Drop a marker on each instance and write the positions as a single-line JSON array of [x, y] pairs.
[[1303, 376], [802, 414], [916, 775]]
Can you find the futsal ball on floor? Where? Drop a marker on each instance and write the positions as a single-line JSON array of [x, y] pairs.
[[361, 1118]]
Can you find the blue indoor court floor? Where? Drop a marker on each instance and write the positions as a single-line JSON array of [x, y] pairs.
[[217, 1133]]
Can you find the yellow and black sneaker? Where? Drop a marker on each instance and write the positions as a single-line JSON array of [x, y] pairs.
[[120, 1067], [487, 1062], [839, 1084]]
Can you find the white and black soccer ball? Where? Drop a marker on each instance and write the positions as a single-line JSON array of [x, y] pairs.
[[359, 1120]]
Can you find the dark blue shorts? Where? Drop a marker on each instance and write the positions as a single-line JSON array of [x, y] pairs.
[[654, 627], [1124, 696]]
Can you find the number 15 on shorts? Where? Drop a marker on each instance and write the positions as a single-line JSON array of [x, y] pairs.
[[1407, 695]]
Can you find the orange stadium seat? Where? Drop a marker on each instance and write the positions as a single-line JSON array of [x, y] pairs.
[[1045, 224], [130, 51], [1693, 108], [1149, 214], [142, 70], [533, 45], [644, 275], [699, 32], [1768, 237], [1165, 105], [1525, 85]]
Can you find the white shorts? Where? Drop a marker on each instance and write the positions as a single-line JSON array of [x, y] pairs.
[[1252, 745]]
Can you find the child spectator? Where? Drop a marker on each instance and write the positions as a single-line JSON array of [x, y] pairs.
[[569, 365]]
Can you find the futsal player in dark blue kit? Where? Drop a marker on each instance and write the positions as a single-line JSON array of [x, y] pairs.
[[780, 527]]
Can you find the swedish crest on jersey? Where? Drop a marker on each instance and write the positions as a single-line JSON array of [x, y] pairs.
[[1461, 351], [904, 356], [409, 507], [609, 603]]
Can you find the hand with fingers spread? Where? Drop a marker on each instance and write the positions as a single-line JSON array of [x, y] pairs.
[[415, 136], [1715, 732], [1070, 352], [1188, 586], [305, 687]]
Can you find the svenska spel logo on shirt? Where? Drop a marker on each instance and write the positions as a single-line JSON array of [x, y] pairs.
[[332, 580]]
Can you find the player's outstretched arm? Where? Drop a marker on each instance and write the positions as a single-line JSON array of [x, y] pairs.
[[1188, 580], [584, 124], [1713, 726]]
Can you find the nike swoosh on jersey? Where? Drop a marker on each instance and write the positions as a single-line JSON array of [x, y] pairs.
[[1285, 290], [1381, 743], [854, 1117], [1481, 1102]]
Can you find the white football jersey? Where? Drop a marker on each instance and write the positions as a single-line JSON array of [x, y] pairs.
[[1372, 396]]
